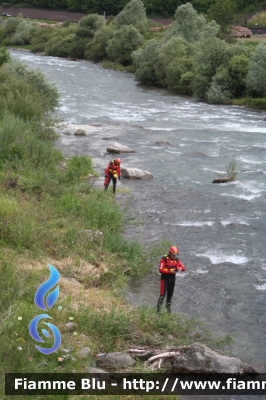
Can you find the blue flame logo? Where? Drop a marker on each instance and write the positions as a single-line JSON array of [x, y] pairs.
[[45, 287], [50, 301]]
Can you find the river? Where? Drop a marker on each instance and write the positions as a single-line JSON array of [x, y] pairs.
[[219, 228]]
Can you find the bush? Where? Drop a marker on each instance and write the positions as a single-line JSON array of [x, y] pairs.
[[217, 94], [4, 56], [29, 84]]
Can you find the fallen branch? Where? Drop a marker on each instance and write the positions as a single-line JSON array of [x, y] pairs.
[[163, 355]]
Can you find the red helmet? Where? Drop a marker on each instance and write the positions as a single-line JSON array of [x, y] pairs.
[[118, 161], [174, 250]]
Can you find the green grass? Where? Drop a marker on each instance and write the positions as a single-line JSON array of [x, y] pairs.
[[116, 67], [250, 102]]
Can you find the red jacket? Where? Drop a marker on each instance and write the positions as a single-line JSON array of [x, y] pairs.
[[167, 266], [113, 169]]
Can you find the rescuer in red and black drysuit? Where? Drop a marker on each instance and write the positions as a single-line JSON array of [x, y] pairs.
[[169, 266], [112, 173]]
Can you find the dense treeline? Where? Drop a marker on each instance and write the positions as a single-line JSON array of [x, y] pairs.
[[191, 57], [113, 7]]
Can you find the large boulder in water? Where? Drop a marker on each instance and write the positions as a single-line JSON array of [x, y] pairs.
[[118, 148], [135, 173]]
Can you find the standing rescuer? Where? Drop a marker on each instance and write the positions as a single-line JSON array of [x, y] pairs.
[[112, 173], [169, 266]]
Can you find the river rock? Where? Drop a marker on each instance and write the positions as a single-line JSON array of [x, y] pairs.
[[96, 124], [199, 358], [135, 173], [116, 360], [119, 148], [85, 352], [80, 132], [71, 326]]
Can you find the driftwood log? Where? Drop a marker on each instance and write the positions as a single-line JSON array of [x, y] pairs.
[[223, 180]]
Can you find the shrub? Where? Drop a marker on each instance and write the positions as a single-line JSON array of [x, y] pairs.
[[217, 94], [4, 56], [31, 83]]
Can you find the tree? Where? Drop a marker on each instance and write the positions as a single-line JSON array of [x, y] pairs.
[[223, 12], [96, 49], [190, 25], [202, 5], [256, 77], [230, 77], [173, 49], [88, 25], [23, 33], [40, 37], [166, 8], [133, 14], [144, 61], [61, 41], [124, 42], [211, 55]]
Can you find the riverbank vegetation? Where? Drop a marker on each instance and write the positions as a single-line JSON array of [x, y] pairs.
[[47, 207], [194, 56]]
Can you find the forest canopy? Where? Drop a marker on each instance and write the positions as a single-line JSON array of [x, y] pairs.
[[165, 8]]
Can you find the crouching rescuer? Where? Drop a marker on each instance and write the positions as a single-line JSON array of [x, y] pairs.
[[112, 173], [168, 267]]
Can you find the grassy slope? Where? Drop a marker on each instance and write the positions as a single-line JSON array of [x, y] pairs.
[[45, 205]]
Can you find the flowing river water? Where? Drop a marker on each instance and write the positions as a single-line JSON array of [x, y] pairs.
[[219, 228]]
